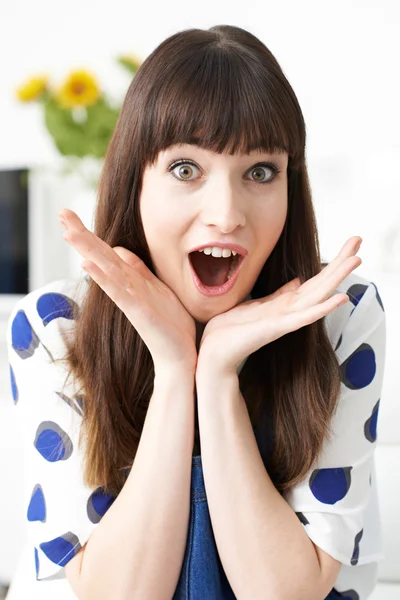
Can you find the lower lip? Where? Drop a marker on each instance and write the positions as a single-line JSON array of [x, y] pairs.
[[215, 290]]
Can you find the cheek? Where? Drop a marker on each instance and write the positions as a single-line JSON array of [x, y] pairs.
[[271, 219], [155, 222], [161, 213], [164, 232]]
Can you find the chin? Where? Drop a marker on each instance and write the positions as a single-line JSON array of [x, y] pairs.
[[205, 309], [201, 314]]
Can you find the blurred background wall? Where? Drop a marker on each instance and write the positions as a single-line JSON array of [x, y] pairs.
[[341, 58]]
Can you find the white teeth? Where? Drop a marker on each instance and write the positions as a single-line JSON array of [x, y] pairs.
[[218, 252]]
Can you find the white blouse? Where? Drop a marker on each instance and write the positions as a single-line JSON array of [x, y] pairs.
[[337, 502]]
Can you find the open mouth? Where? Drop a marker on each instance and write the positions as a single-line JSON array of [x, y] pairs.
[[214, 271]]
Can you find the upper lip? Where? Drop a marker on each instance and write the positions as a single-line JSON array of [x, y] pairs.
[[237, 247]]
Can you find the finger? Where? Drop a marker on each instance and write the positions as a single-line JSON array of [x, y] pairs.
[[122, 295], [82, 238], [298, 319], [327, 287], [333, 281], [290, 286], [133, 261], [92, 248], [348, 250]]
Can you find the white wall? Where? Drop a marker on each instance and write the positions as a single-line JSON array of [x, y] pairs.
[[341, 58]]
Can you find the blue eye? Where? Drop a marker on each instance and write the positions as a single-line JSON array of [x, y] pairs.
[[270, 166]]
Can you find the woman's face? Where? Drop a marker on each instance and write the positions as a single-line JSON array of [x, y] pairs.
[[214, 198]]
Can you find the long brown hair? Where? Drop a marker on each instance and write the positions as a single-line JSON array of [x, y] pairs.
[[224, 83]]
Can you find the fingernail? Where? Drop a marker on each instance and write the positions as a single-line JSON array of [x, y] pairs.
[[358, 246], [63, 223]]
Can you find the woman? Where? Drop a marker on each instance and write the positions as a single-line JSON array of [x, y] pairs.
[[246, 352]]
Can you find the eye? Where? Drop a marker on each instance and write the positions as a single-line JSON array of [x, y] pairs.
[[257, 171], [185, 171], [259, 174]]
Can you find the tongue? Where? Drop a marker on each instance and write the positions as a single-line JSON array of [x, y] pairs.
[[210, 269]]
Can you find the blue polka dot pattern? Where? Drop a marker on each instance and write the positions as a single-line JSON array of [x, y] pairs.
[[330, 485], [379, 299], [347, 595], [339, 342], [14, 388], [371, 423], [75, 402], [37, 505], [23, 339], [61, 549], [62, 517], [302, 518], [98, 504], [52, 442], [79, 400], [356, 552], [359, 369], [51, 306], [356, 292], [36, 562]]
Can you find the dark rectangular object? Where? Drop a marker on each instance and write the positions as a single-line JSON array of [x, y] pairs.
[[14, 257]]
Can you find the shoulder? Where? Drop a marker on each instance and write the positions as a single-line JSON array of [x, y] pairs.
[[38, 314], [363, 313], [52, 300], [35, 339], [35, 333]]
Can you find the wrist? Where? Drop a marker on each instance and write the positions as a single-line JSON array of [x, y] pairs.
[[208, 373], [167, 373], [208, 362]]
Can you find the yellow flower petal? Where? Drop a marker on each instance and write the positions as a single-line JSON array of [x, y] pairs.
[[79, 89], [32, 89]]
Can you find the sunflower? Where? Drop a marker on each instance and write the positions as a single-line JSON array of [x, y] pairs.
[[79, 89], [32, 88]]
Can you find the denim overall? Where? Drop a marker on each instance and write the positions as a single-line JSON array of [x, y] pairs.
[[202, 575]]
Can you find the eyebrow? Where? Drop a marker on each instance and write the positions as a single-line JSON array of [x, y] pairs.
[[193, 141]]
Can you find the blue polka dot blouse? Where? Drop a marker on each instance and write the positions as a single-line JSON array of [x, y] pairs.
[[337, 502]]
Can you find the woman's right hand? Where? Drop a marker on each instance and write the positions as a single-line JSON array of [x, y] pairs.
[[157, 314]]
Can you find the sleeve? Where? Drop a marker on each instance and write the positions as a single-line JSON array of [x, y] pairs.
[[337, 500], [61, 512]]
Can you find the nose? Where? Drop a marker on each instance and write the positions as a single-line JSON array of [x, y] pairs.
[[223, 208]]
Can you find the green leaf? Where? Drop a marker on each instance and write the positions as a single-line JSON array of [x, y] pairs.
[[81, 139], [127, 64]]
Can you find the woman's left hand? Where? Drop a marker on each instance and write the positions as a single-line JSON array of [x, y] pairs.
[[230, 337]]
